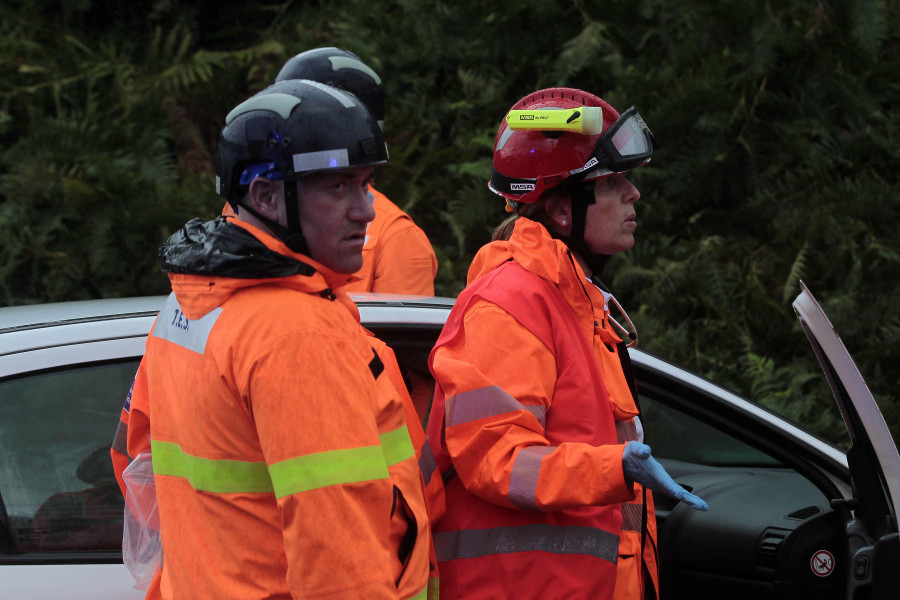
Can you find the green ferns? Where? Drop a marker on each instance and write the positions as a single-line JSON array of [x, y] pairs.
[[778, 126]]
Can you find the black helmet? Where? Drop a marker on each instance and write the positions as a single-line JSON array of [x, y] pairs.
[[288, 130], [341, 69]]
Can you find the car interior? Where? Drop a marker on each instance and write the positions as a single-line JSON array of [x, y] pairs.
[[60, 499], [771, 531]]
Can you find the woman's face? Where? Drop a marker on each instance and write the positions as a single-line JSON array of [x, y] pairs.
[[611, 220]]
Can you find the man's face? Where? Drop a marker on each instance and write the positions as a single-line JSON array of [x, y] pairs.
[[610, 221], [335, 208]]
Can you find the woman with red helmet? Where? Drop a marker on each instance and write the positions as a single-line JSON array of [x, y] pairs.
[[535, 425]]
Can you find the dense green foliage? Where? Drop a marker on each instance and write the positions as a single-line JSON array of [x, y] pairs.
[[779, 125]]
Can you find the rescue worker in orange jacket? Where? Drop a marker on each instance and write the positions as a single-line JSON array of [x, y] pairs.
[[535, 425], [397, 256], [282, 460]]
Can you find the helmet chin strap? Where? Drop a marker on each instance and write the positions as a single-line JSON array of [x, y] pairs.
[[582, 195], [292, 235]]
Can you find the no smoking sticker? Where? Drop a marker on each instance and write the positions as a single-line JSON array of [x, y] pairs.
[[822, 563]]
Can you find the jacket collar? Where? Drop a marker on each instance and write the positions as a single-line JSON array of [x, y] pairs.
[[209, 261], [531, 246]]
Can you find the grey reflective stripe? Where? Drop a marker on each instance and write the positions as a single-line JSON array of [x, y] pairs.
[[120, 442], [427, 463], [632, 516], [524, 477], [626, 431], [571, 539], [172, 325], [539, 412], [486, 402], [345, 62], [344, 98], [325, 159], [283, 104]]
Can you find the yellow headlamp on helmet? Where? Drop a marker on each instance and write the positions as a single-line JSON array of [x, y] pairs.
[[586, 120]]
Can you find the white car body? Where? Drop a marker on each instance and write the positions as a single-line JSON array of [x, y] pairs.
[[38, 342]]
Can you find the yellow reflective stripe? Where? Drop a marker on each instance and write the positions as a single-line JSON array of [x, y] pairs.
[[422, 595], [210, 475], [434, 588], [322, 469], [397, 446], [287, 477]]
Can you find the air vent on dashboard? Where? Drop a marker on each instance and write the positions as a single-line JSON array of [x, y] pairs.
[[804, 513], [768, 547]]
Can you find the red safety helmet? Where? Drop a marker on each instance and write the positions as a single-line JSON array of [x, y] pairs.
[[528, 161]]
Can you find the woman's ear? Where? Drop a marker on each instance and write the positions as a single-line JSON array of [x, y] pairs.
[[559, 209], [264, 197]]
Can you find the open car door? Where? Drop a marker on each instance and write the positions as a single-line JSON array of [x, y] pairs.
[[873, 460]]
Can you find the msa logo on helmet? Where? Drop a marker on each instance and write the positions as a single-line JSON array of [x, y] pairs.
[[588, 165], [526, 117], [521, 187]]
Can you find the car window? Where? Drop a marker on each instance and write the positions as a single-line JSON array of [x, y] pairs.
[[675, 435], [56, 476]]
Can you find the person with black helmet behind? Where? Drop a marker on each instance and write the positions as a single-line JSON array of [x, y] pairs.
[[535, 424], [397, 256], [281, 458]]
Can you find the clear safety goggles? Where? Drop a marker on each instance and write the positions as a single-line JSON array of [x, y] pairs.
[[626, 145]]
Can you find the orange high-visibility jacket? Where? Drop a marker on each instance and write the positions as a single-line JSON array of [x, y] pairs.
[[397, 256], [283, 463], [529, 422], [397, 259]]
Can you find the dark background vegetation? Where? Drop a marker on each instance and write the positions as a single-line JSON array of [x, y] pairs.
[[778, 122]]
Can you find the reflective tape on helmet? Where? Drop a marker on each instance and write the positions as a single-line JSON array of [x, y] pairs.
[[320, 161], [283, 104], [568, 539], [487, 402], [345, 62]]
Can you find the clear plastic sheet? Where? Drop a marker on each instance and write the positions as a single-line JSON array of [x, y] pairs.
[[141, 544]]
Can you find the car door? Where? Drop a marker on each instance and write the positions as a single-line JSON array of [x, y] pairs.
[[64, 373], [873, 460]]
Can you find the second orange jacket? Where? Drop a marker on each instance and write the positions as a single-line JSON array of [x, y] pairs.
[[397, 256], [534, 425]]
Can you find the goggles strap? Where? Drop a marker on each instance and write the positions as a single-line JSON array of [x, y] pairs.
[[582, 195]]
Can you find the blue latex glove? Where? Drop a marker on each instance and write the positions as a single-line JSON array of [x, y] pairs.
[[641, 467]]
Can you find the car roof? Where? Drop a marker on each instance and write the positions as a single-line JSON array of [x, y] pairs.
[[24, 328], [34, 316]]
